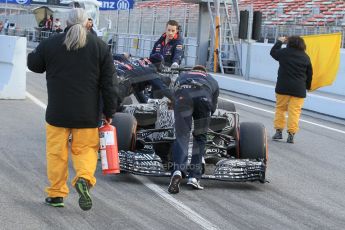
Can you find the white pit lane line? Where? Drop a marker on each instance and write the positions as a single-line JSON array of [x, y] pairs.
[[272, 112], [178, 205], [188, 212]]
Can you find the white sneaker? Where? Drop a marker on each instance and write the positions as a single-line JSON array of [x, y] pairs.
[[195, 183]]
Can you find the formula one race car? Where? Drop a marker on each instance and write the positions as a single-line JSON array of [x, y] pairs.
[[234, 151]]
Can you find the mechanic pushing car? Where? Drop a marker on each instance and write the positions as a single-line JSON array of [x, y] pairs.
[[137, 75], [170, 45], [196, 97]]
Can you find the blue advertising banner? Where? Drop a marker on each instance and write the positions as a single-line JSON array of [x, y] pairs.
[[21, 2], [105, 4], [115, 4]]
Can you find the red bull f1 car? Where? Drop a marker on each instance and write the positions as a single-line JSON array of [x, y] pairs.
[[235, 151]]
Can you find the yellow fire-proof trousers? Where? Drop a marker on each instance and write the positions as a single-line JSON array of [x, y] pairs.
[[292, 105], [84, 147]]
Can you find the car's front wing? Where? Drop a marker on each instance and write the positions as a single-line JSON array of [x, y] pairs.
[[235, 170]]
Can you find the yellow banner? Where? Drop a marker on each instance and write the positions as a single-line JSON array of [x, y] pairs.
[[324, 53]]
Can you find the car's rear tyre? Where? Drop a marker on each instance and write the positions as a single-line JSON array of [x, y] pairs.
[[126, 127], [253, 141], [226, 105]]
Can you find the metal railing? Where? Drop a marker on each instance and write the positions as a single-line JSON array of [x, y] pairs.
[[32, 35], [151, 21], [272, 33]]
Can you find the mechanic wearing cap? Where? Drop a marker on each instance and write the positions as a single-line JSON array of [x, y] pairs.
[[137, 75], [196, 96], [170, 45]]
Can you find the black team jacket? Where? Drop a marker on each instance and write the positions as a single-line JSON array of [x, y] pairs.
[[172, 51], [295, 70], [206, 85], [75, 81]]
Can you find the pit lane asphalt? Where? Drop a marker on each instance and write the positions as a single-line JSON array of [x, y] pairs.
[[306, 189]]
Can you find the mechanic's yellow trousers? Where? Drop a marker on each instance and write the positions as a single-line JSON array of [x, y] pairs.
[[291, 105], [84, 147]]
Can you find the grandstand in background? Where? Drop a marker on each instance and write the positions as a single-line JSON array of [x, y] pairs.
[[300, 12], [275, 12], [280, 17], [282, 12], [143, 24]]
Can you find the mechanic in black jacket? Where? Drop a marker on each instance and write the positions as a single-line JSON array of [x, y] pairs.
[[294, 78], [196, 97], [170, 45], [136, 75], [78, 68]]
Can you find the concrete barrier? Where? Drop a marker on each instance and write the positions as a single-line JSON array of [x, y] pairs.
[[12, 67], [325, 104], [260, 70], [263, 67]]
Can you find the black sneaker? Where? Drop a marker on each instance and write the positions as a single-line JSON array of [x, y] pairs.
[[278, 135], [55, 201], [174, 186], [290, 138], [85, 202]]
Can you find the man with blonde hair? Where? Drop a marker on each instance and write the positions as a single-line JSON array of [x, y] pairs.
[[79, 68]]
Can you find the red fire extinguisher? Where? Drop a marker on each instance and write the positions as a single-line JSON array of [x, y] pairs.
[[108, 149]]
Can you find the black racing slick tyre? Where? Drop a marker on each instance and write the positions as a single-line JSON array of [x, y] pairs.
[[226, 105], [252, 141], [126, 126]]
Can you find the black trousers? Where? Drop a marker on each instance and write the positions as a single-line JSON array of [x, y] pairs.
[[190, 104]]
